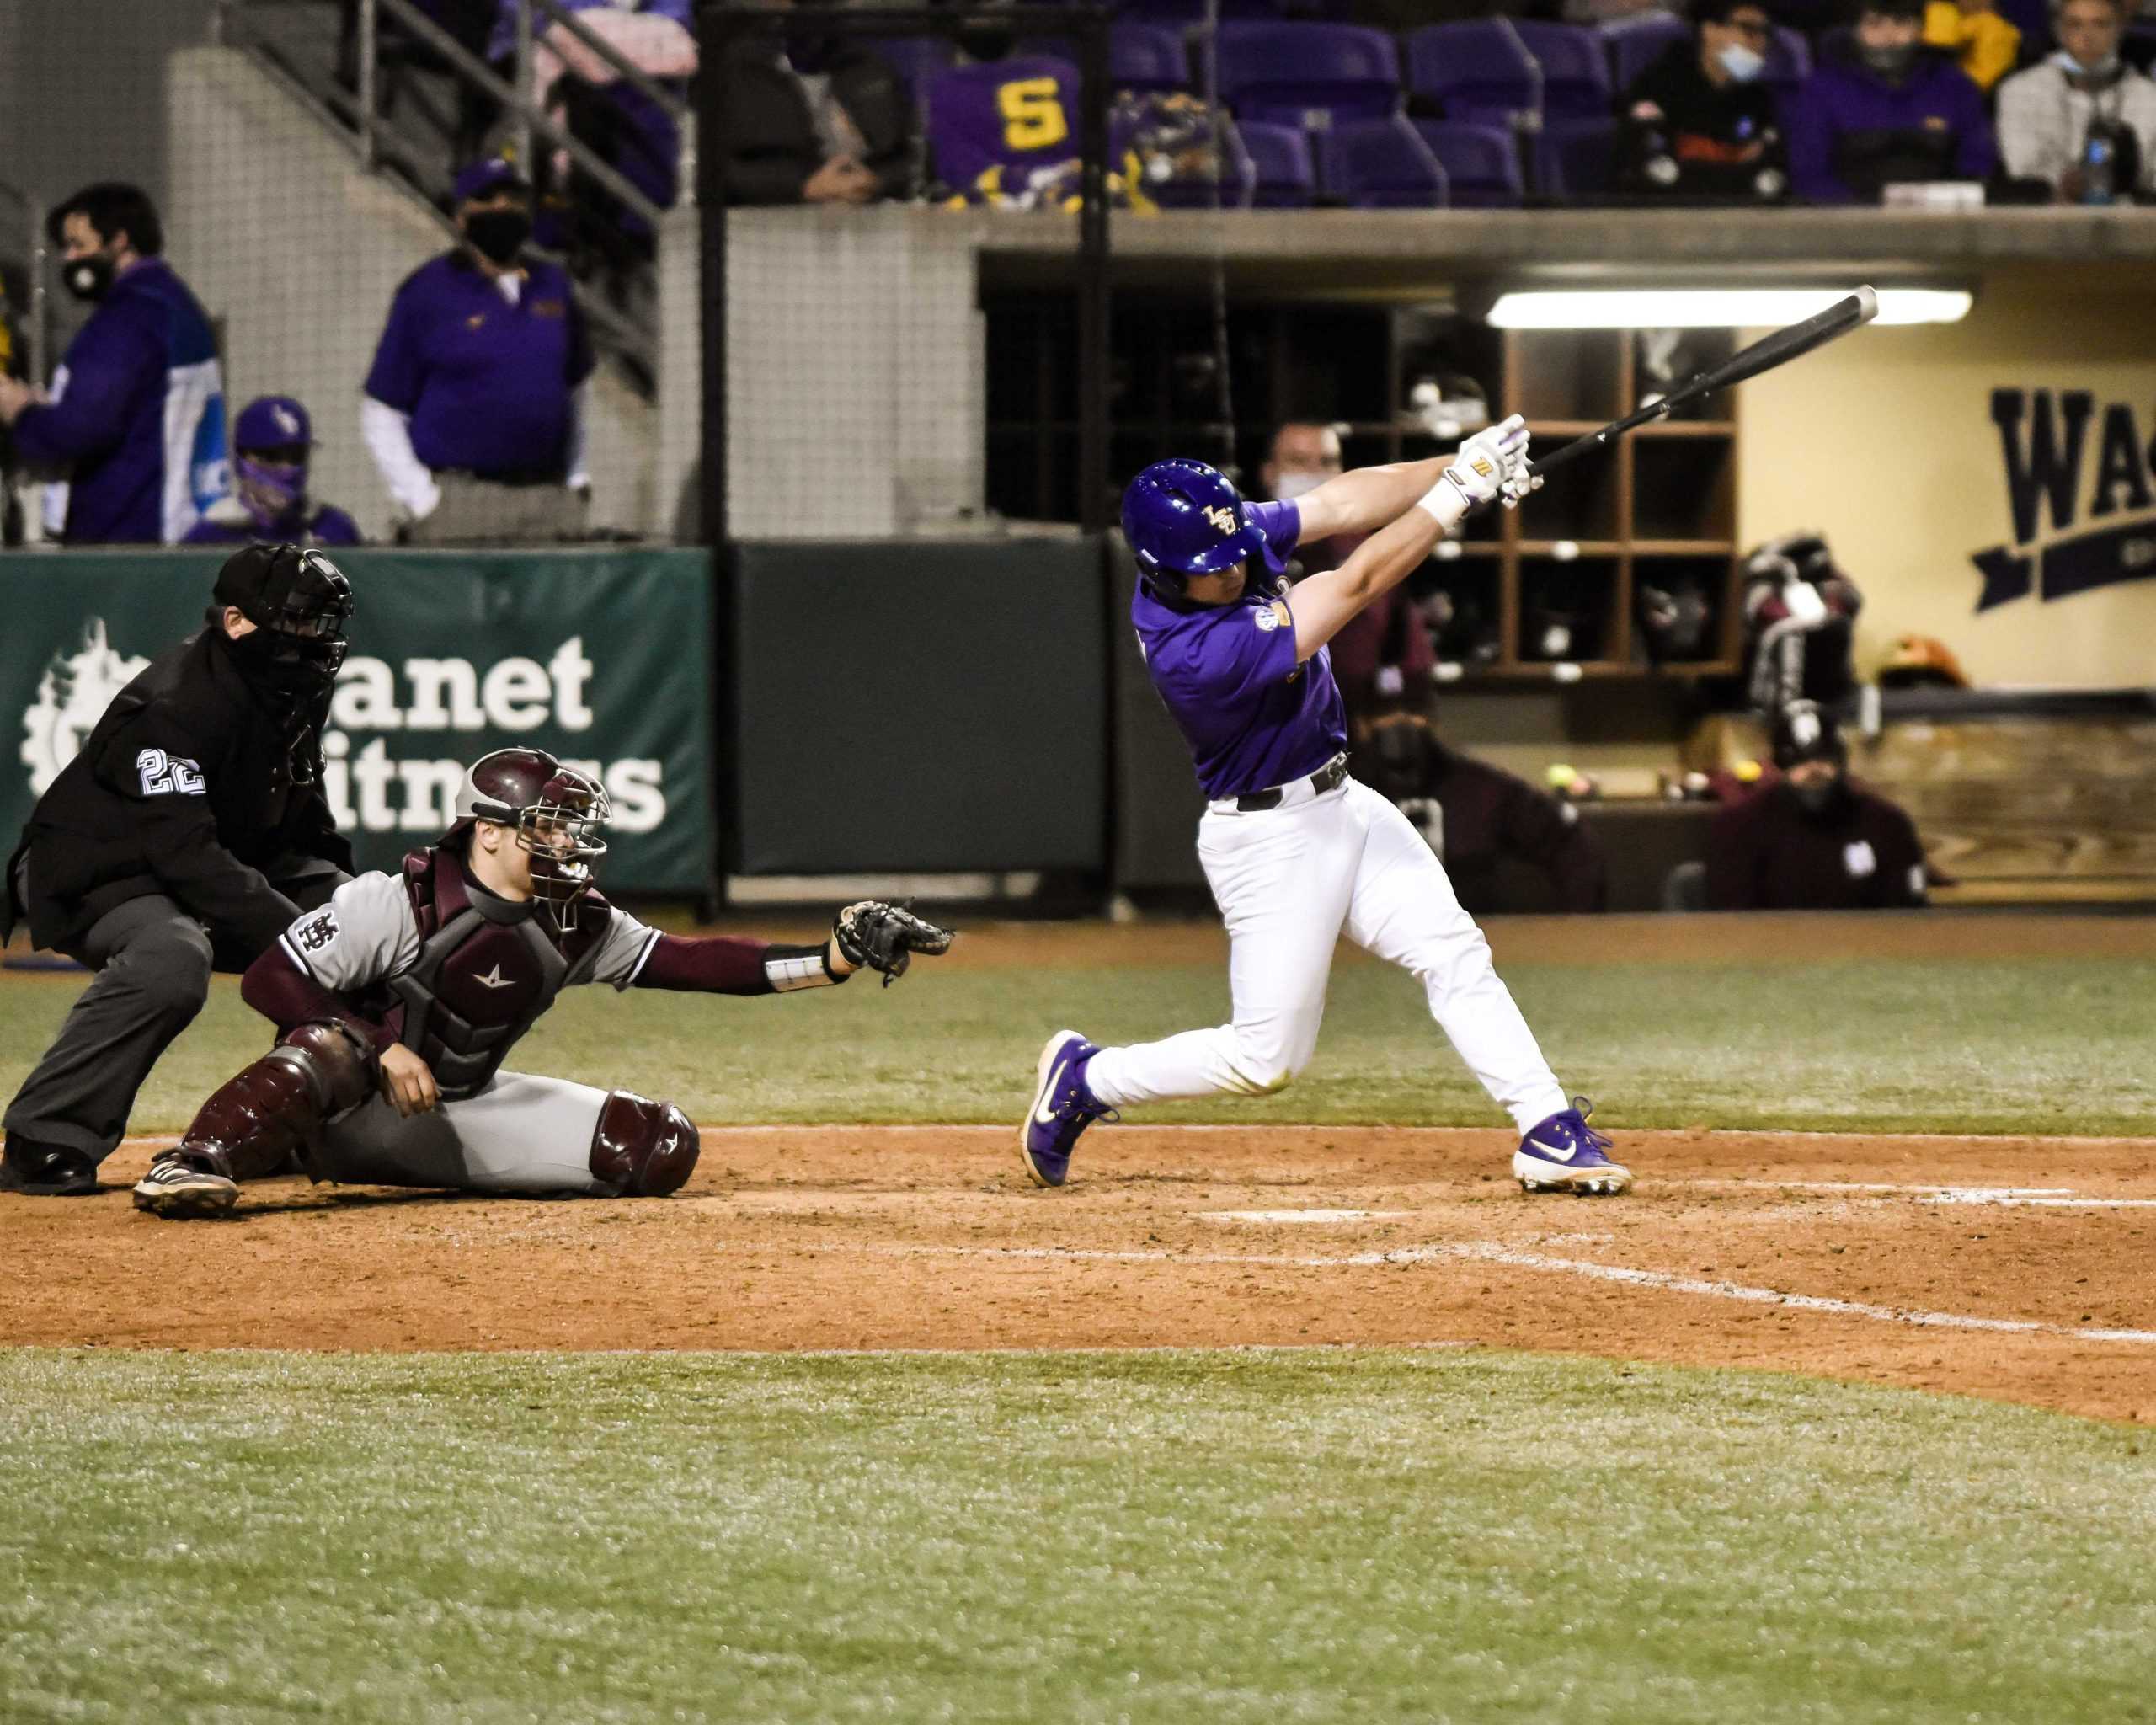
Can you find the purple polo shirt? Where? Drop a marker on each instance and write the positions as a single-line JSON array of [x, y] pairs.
[[1253, 718], [486, 384]]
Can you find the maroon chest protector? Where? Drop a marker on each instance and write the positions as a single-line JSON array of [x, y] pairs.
[[487, 969]]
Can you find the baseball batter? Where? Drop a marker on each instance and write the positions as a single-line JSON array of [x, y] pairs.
[[398, 1002], [1296, 850]]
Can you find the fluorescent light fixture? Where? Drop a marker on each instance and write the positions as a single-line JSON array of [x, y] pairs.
[[1710, 307]]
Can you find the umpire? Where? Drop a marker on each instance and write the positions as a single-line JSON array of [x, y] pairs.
[[185, 836]]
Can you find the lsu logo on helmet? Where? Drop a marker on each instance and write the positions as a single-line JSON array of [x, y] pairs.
[[1222, 520]]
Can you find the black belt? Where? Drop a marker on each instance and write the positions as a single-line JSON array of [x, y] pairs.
[[1328, 777]]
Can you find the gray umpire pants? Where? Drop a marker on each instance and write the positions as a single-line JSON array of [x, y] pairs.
[[519, 1134], [154, 962]]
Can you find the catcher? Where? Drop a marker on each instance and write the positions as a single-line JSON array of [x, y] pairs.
[[398, 1001]]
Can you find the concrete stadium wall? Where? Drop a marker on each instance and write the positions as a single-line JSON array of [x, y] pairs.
[[296, 254], [82, 90]]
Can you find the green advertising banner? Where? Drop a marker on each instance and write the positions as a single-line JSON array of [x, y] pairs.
[[600, 656]]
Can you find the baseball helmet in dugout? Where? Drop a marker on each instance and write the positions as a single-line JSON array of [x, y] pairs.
[[557, 813], [1184, 518]]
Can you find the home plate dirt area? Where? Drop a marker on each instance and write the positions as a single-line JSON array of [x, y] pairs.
[[2013, 1267]]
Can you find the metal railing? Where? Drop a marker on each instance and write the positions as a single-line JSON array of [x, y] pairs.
[[355, 110]]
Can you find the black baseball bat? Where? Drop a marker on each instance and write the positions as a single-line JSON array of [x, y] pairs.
[[1763, 354]]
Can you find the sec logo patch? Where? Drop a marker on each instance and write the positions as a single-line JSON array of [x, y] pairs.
[[1267, 617]]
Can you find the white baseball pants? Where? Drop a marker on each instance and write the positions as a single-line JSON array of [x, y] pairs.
[[1289, 881]]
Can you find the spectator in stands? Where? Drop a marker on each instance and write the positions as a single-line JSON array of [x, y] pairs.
[[1984, 43], [1812, 840], [628, 130], [134, 421], [1382, 658], [1697, 122], [475, 407], [1882, 108], [1003, 127], [2050, 115], [1482, 822], [815, 119], [272, 441]]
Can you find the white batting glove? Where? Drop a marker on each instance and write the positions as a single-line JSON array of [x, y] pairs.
[[1492, 465]]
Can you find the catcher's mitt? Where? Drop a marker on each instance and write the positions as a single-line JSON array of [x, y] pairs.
[[885, 937]]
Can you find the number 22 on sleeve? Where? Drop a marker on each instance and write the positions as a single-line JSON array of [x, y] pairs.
[[1032, 113]]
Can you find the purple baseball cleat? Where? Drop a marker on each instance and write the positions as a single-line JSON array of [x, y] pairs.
[[1062, 1108], [1565, 1154]]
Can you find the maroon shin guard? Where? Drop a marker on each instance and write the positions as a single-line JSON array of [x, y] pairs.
[[249, 1127]]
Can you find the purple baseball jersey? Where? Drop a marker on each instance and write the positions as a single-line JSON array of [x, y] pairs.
[[993, 127], [1253, 716]]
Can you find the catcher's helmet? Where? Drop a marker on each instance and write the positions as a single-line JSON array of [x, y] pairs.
[[300, 599], [557, 813], [1183, 518]]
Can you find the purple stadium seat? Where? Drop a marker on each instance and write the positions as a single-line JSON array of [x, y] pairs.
[[1575, 70], [1635, 43], [1381, 164], [1143, 58], [1280, 162], [1481, 163], [1287, 72], [1477, 69], [1575, 159]]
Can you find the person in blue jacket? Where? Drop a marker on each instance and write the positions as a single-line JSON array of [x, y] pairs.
[[134, 422], [1882, 108], [272, 440]]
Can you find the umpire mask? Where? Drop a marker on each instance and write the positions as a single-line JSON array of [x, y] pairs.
[[299, 602]]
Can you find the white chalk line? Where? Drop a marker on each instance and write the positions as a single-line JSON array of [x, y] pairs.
[[1488, 1251], [1300, 1216]]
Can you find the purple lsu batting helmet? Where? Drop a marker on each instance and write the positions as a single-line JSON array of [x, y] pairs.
[[1183, 518]]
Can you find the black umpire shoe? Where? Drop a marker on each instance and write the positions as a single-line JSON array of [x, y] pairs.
[[45, 1170]]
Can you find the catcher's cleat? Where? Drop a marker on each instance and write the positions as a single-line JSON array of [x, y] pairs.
[[1565, 1154], [45, 1170], [176, 1187], [1062, 1108]]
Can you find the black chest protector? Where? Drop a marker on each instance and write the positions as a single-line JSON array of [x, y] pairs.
[[487, 969]]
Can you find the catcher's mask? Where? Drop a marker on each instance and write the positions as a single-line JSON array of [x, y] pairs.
[[557, 813]]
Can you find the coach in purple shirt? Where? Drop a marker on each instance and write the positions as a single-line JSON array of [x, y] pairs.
[[474, 408]]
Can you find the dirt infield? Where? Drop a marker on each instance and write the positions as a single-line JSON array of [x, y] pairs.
[[2010, 1268]]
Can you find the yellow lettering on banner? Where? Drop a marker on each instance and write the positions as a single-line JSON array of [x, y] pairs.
[[1032, 113]]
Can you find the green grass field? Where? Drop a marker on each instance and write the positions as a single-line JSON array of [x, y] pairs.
[[1979, 1045], [1333, 1535], [1259, 1537]]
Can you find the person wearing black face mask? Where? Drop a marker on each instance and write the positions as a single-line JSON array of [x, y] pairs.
[[1813, 839], [134, 419], [184, 836], [474, 409], [1881, 109]]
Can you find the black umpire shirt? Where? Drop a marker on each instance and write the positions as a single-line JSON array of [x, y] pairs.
[[184, 788], [1768, 853]]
